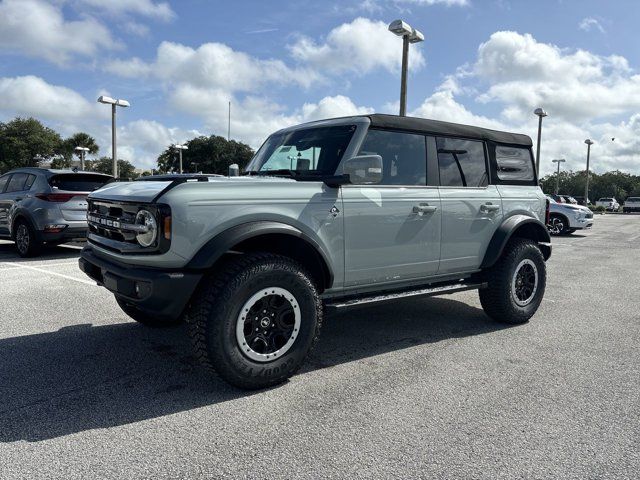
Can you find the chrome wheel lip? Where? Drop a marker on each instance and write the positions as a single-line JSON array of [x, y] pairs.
[[514, 295], [246, 350], [22, 238]]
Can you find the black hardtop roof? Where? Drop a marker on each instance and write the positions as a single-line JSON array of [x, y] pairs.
[[438, 127]]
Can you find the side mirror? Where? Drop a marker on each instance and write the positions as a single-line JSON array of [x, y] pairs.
[[363, 169]]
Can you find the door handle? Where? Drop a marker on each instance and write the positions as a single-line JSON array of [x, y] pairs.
[[489, 207], [424, 208]]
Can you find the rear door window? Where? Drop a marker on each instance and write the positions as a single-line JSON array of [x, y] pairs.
[[71, 182], [462, 163], [16, 184], [514, 163]]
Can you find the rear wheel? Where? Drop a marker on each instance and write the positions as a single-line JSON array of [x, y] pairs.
[[27, 243], [516, 283], [145, 318], [255, 320]]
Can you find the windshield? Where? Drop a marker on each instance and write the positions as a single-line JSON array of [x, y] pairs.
[[309, 151], [551, 199]]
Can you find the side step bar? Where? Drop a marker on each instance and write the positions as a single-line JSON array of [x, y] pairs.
[[422, 292]]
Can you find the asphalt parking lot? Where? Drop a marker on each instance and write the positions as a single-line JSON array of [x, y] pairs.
[[418, 389]]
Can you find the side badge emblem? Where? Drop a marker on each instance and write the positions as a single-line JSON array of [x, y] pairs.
[[334, 211]]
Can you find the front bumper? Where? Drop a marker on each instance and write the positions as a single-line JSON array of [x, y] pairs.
[[161, 293], [581, 223]]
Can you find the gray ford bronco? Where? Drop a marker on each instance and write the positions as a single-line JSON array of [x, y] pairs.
[[328, 215]]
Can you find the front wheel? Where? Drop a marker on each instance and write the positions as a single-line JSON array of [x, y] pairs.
[[145, 318], [516, 283], [255, 320], [558, 225]]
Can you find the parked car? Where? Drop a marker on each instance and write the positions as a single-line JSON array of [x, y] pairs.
[[610, 204], [581, 201], [566, 218], [375, 208], [631, 204], [557, 198], [40, 206], [569, 199]]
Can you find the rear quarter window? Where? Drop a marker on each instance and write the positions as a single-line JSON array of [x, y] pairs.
[[514, 164], [3, 182], [71, 182]]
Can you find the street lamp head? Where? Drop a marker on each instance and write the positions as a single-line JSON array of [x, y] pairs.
[[588, 141], [82, 149], [400, 28], [416, 36], [540, 112], [180, 147], [122, 103], [558, 160], [105, 99]]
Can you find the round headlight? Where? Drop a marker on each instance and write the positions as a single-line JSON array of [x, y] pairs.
[[146, 218]]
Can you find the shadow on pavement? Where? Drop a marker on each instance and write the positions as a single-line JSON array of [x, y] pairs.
[[85, 377], [8, 253]]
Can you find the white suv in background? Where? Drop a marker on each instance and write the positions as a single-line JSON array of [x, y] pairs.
[[566, 218], [631, 204], [609, 203]]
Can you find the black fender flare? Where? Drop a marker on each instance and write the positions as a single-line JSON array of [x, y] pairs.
[[23, 214], [211, 252], [534, 228]]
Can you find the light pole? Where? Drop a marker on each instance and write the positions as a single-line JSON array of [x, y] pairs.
[[114, 103], [409, 35], [558, 161], [83, 151], [180, 148], [589, 142], [541, 114]]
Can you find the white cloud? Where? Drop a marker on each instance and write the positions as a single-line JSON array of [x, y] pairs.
[[32, 96], [146, 8], [39, 29], [578, 86], [588, 23], [212, 65], [360, 47]]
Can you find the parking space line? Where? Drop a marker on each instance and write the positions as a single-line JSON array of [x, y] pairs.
[[36, 269]]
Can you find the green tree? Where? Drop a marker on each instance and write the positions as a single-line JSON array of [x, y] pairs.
[[211, 154], [105, 165], [68, 149], [24, 142]]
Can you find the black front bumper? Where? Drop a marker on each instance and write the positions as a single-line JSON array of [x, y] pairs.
[[161, 293]]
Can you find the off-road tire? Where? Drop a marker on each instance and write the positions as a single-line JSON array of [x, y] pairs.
[[498, 299], [145, 318], [215, 311], [27, 242]]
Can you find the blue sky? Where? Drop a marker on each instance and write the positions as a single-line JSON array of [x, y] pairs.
[[484, 62]]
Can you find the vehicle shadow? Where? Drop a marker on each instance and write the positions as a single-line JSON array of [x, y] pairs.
[[85, 377], [8, 253]]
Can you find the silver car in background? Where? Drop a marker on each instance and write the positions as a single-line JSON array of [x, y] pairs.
[[41, 206], [566, 218]]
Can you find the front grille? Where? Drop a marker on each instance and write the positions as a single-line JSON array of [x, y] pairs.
[[106, 220]]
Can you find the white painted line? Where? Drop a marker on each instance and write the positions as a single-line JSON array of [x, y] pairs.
[[86, 282]]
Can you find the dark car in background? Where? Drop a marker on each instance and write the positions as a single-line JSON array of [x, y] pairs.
[[41, 206]]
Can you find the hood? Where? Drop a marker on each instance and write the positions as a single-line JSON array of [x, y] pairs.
[[130, 191], [146, 191]]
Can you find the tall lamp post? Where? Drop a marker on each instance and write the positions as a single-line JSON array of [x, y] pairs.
[[409, 35], [540, 112], [83, 151], [180, 148], [589, 142], [114, 103], [558, 161]]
